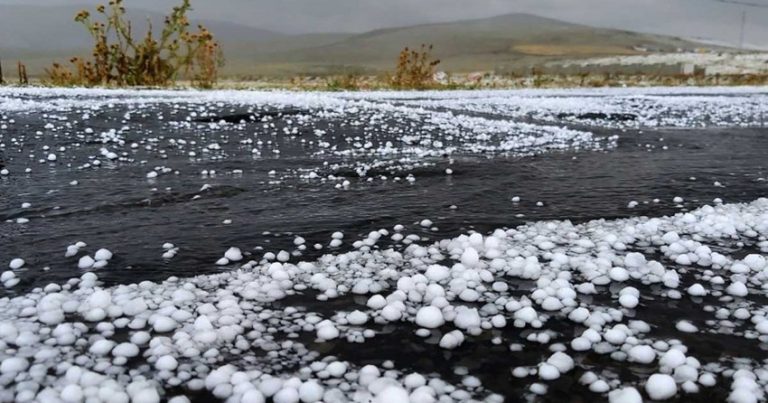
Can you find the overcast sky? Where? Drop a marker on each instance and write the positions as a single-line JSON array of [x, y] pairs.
[[711, 19]]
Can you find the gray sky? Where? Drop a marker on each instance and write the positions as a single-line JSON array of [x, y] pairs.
[[709, 19]]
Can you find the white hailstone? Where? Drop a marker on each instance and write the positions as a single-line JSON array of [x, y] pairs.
[[16, 264], [336, 369], [100, 299], [51, 157], [642, 354], [551, 304], [516, 199], [71, 251], [437, 273], [283, 256], [151, 174], [755, 262], [660, 387], [618, 274], [9, 279], [471, 382], [85, 262], [310, 392], [252, 396], [677, 199], [392, 394], [448, 171], [222, 262], [599, 386], [628, 301], [125, 350], [470, 258], [737, 289], [357, 318], [166, 363], [414, 380], [625, 395], [286, 395], [697, 290], [562, 361], [164, 324], [686, 327], [233, 254], [4, 172], [615, 336], [101, 347], [548, 372], [134, 306], [581, 344], [368, 374], [672, 359], [13, 365], [376, 302], [762, 327], [103, 254], [146, 395], [391, 313], [579, 315], [707, 379], [326, 330], [526, 314], [72, 393], [429, 317], [467, 318]]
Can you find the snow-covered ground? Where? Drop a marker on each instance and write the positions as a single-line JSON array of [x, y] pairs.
[[585, 295], [714, 63]]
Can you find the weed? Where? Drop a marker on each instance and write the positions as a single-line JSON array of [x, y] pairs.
[[22, 69], [415, 69], [346, 82], [120, 59]]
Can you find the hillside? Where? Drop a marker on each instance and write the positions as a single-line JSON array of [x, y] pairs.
[[495, 43], [504, 43]]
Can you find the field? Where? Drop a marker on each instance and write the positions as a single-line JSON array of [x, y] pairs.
[[251, 246]]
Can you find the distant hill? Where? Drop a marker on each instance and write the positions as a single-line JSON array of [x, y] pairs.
[[500, 43]]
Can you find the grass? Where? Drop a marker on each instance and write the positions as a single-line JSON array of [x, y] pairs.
[[573, 50], [351, 82]]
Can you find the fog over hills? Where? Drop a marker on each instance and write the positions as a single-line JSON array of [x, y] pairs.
[[710, 19], [39, 34]]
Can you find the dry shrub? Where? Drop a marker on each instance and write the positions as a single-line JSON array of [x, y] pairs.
[[22, 69], [346, 82], [120, 59], [415, 69]]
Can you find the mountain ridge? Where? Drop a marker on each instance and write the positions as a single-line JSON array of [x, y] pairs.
[[503, 42]]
